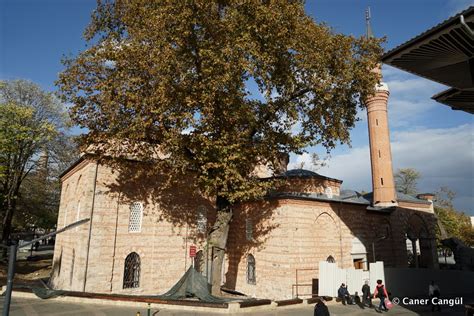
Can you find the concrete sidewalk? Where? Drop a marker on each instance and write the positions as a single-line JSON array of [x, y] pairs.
[[55, 307]]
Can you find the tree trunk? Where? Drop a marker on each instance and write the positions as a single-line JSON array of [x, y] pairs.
[[6, 227], [218, 242], [7, 220]]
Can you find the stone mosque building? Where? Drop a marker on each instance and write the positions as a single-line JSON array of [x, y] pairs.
[[138, 237]]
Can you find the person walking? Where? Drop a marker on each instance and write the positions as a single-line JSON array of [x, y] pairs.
[[320, 309], [366, 294], [381, 293], [434, 293]]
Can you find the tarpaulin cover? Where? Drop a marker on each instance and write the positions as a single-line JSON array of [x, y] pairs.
[[46, 293], [192, 284]]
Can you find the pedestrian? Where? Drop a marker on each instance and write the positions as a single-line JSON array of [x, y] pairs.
[[434, 293], [366, 294], [344, 295], [320, 309], [381, 293]]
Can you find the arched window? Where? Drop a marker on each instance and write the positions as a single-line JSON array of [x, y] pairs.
[[131, 274], [251, 275], [330, 259], [202, 220], [136, 215], [78, 184], [248, 229]]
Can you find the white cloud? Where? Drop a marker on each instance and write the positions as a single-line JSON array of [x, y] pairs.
[[413, 88], [444, 156], [403, 112], [410, 97]]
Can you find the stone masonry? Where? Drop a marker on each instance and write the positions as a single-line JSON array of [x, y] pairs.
[[286, 234]]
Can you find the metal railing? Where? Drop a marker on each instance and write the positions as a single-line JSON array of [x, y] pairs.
[[295, 292]]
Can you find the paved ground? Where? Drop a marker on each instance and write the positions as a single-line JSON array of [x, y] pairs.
[[34, 307]]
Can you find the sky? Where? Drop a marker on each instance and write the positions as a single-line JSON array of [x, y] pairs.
[[425, 135]]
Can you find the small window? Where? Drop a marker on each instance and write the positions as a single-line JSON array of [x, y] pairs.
[[251, 275], [202, 220], [381, 181], [328, 192], [380, 155], [131, 274], [248, 229], [330, 259], [377, 122], [136, 215]]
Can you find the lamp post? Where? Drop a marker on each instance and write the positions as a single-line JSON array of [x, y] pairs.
[[12, 259]]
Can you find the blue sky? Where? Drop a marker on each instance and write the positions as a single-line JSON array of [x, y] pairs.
[[34, 35]]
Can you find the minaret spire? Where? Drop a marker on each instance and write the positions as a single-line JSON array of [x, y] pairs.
[[367, 23], [383, 185]]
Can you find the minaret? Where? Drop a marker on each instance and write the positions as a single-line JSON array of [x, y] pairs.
[[379, 138]]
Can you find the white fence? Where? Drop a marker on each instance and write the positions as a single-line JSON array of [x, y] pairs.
[[331, 277]]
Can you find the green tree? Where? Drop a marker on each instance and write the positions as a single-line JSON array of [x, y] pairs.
[[176, 75], [31, 123], [456, 223], [39, 196], [406, 180]]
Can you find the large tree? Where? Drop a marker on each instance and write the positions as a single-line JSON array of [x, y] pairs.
[[455, 223], [178, 75], [406, 180], [32, 126]]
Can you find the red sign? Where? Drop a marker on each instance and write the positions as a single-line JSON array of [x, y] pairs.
[[192, 251]]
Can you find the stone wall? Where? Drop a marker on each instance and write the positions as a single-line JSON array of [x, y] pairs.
[[286, 235], [303, 233], [169, 227]]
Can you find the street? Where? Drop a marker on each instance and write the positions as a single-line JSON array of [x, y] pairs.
[[34, 307]]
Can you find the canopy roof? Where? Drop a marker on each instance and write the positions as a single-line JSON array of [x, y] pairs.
[[457, 99], [445, 54]]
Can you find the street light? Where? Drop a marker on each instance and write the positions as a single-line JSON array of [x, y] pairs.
[[12, 259]]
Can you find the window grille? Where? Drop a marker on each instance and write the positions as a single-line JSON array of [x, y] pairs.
[[248, 229], [330, 259], [136, 214], [131, 274], [251, 276], [202, 220]]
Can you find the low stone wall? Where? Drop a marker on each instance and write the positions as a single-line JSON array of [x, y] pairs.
[[406, 282]]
